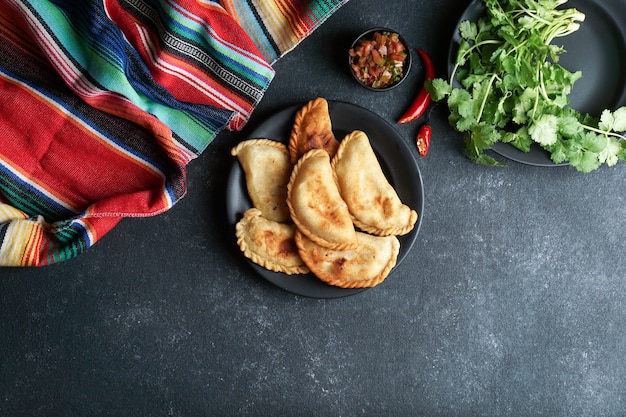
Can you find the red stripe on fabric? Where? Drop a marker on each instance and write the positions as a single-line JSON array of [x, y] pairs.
[[31, 245], [46, 246], [12, 29], [229, 7], [208, 90], [295, 13], [37, 251], [64, 157], [99, 226], [305, 11]]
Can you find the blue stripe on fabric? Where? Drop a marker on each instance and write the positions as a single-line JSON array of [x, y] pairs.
[[134, 77], [260, 35]]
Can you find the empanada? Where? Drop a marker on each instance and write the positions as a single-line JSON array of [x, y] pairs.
[[365, 266], [268, 243], [312, 129], [267, 167], [372, 201], [315, 204]]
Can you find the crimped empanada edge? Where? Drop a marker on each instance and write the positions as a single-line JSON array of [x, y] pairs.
[[258, 141], [389, 231], [256, 257], [301, 226], [372, 282]]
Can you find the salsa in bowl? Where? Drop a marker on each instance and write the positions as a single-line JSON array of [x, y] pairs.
[[379, 59]]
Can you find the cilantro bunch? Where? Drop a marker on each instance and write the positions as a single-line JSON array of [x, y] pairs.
[[507, 86]]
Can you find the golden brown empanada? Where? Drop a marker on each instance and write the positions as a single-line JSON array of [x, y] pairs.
[[268, 243], [315, 204], [312, 129], [365, 266], [372, 201], [267, 168]]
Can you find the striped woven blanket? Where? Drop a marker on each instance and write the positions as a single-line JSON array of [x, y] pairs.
[[103, 103]]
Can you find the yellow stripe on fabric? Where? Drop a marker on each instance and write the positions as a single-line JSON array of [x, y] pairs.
[[277, 24], [32, 250], [15, 243], [22, 237], [8, 213]]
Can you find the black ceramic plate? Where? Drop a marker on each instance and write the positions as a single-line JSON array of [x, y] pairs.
[[396, 159], [598, 49]]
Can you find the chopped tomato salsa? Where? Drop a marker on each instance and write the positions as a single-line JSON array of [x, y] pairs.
[[378, 61]]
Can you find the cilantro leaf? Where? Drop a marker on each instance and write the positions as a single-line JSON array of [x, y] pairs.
[[620, 119], [569, 126], [607, 121], [544, 130], [593, 142], [610, 154], [468, 30], [438, 88], [585, 161], [523, 105], [521, 139], [558, 152]]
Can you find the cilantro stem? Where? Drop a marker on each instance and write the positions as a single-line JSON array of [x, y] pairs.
[[558, 30], [504, 14], [603, 132], [486, 95], [536, 105], [468, 52], [534, 16], [542, 83]]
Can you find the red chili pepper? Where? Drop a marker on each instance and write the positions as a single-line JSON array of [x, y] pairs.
[[421, 102], [423, 135], [423, 139]]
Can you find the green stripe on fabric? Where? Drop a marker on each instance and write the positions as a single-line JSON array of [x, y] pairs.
[[23, 201], [324, 7], [71, 243], [111, 76], [315, 10]]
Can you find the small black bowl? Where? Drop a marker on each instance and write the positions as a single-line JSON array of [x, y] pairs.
[[368, 35]]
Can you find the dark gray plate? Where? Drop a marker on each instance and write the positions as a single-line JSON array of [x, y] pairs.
[[395, 156], [598, 49]]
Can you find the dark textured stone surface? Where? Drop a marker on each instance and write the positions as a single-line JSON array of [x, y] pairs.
[[512, 301]]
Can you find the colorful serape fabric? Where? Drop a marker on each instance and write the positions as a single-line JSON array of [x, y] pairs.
[[103, 103], [276, 27]]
